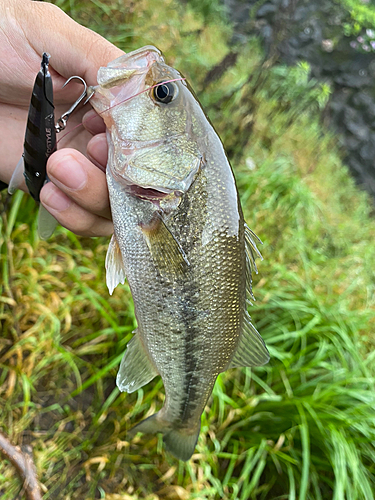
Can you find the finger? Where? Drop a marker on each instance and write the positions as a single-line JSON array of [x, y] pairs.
[[93, 122], [97, 151], [74, 135], [72, 216], [88, 51], [13, 124], [80, 180]]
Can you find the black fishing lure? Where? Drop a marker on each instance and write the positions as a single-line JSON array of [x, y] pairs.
[[40, 141], [40, 137]]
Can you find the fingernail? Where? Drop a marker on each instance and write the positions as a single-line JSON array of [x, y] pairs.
[[53, 198], [69, 172]]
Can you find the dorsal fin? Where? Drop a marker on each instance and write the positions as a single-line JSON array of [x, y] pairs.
[[251, 349], [252, 253]]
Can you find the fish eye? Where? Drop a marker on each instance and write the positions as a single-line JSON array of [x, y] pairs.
[[164, 92]]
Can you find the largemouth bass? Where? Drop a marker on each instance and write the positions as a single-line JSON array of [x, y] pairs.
[[179, 238]]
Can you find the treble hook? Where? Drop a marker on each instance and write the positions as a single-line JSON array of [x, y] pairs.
[[62, 121]]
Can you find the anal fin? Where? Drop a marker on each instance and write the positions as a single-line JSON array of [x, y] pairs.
[[136, 368], [114, 265]]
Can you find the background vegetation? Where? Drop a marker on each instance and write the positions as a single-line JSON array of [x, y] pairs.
[[302, 427]]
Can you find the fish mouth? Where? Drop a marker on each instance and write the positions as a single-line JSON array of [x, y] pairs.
[[146, 193], [162, 200]]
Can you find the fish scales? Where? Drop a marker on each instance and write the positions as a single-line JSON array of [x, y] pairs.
[[179, 238]]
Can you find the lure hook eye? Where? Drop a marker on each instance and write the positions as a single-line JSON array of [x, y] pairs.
[[62, 121]]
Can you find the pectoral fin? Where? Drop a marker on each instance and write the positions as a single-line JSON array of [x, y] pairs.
[[164, 247], [114, 265], [251, 349], [136, 368]]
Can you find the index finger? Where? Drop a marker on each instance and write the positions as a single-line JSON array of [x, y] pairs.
[[76, 50]]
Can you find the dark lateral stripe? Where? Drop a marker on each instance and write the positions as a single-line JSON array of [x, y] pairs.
[[31, 151], [189, 319], [33, 128], [189, 313], [36, 103]]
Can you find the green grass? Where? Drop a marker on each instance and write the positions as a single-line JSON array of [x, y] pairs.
[[302, 427]]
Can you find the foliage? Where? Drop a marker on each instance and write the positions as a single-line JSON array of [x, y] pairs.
[[358, 23], [294, 86], [362, 15], [301, 427]]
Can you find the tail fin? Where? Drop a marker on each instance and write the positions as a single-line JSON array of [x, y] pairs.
[[179, 442]]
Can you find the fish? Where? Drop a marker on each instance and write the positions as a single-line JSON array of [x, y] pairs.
[[179, 239], [39, 144]]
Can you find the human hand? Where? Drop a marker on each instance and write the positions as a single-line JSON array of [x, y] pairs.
[[77, 195]]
